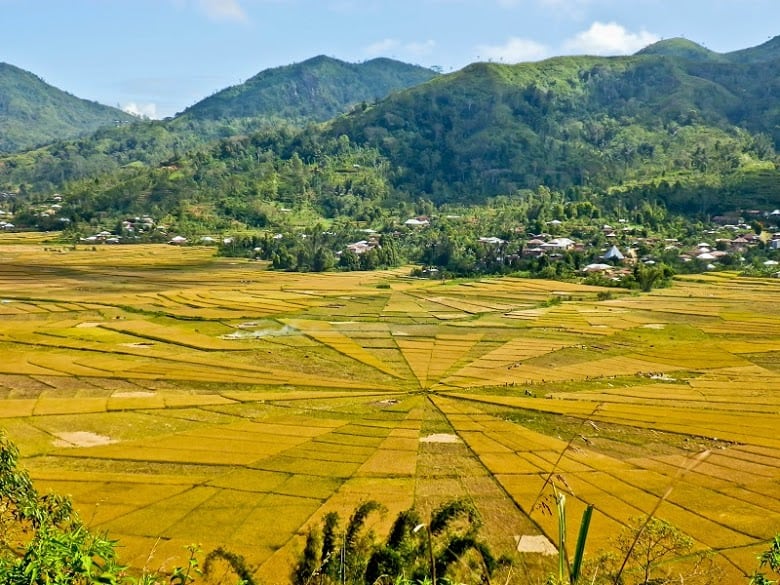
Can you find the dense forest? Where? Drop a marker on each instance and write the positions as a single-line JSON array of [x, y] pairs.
[[33, 113]]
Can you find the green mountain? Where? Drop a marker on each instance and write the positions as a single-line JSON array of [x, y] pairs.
[[682, 49], [696, 135], [33, 112], [685, 49], [571, 122], [316, 89], [768, 51]]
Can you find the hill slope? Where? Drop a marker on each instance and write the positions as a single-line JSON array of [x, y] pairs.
[[699, 135], [33, 112], [316, 89], [684, 49], [568, 122], [768, 51]]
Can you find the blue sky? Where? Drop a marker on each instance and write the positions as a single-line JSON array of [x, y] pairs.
[[156, 57]]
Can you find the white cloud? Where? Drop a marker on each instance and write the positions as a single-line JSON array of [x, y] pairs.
[[381, 47], [397, 47], [515, 50], [142, 110], [570, 7], [420, 48], [565, 4], [229, 10], [609, 39]]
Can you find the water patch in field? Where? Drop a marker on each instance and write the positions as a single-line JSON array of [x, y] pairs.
[[440, 438], [81, 439], [654, 325], [536, 543], [260, 333], [389, 402], [662, 378]]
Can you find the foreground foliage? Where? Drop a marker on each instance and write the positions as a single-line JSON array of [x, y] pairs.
[[42, 540], [768, 559], [444, 546], [651, 551]]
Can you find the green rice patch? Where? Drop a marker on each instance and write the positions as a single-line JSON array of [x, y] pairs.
[[390, 462], [216, 518], [341, 439], [296, 465], [309, 486], [328, 452], [275, 520], [155, 519], [365, 430], [250, 480]]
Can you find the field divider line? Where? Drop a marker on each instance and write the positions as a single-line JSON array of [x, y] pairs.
[[744, 488], [156, 502], [167, 341], [694, 462], [490, 473], [619, 416], [340, 343], [406, 360], [583, 477], [317, 513], [235, 367]]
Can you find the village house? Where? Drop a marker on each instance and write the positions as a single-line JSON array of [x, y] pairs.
[[420, 221]]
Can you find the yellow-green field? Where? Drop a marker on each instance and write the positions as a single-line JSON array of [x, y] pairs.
[[181, 398]]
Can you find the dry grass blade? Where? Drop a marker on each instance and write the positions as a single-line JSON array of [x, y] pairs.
[[695, 462], [561, 455]]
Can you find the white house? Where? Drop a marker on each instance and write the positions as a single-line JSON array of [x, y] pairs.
[[559, 244], [491, 240], [613, 254]]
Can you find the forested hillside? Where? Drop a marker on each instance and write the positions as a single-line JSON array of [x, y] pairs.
[[695, 133], [307, 92], [574, 122], [685, 49], [33, 112], [315, 90]]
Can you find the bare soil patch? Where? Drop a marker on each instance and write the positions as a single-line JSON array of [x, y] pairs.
[[81, 439]]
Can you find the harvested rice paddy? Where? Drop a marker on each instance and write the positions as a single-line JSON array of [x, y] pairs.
[[182, 398]]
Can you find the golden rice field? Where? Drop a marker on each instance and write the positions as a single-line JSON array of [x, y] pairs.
[[181, 398]]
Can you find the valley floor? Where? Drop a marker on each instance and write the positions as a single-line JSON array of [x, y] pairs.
[[179, 398]]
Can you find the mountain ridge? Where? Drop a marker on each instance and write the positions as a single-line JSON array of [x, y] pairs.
[[683, 48], [613, 109], [697, 134], [266, 98], [315, 89], [33, 112]]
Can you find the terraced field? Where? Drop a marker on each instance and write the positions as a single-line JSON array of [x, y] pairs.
[[183, 398]]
